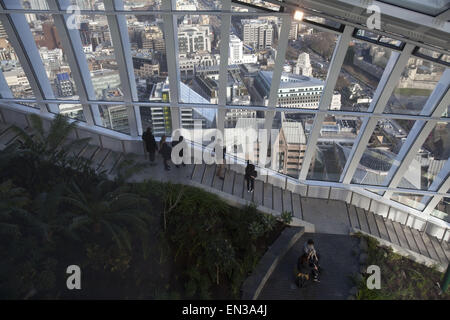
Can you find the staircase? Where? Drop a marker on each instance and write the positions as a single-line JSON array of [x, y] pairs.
[[267, 195], [398, 234]]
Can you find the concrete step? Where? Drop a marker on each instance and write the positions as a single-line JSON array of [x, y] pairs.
[[400, 234], [111, 161], [217, 182], [89, 152], [198, 173], [382, 227], [354, 221], [208, 176], [439, 250], [99, 157], [391, 231], [410, 238], [362, 219], [420, 244], [372, 223], [431, 251], [7, 136]]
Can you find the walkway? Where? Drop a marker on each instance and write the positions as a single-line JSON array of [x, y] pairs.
[[328, 216], [335, 277]]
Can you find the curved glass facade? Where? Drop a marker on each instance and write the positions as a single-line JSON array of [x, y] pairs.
[[345, 105]]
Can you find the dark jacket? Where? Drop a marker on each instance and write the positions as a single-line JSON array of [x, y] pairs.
[[166, 151], [150, 143], [250, 171]]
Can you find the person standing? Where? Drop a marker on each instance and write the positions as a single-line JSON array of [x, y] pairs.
[[166, 152], [220, 166], [250, 176], [150, 144]]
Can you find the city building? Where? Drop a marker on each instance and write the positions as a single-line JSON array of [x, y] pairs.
[[296, 91], [257, 34]]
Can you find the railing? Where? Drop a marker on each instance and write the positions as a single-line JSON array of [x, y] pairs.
[[109, 139]]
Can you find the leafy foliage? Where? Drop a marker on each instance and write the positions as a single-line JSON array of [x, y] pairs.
[[138, 240]]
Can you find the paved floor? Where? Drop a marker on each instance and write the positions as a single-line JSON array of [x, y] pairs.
[[338, 264]]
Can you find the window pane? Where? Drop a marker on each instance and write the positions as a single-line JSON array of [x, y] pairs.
[[429, 160], [12, 70], [53, 57], [442, 210], [241, 135], [187, 5], [101, 59], [361, 72], [382, 150], [115, 117], [199, 57], [337, 135], [199, 124], [256, 3], [252, 50], [305, 69], [158, 119], [148, 52], [35, 5], [411, 200], [133, 5], [417, 81], [74, 111], [88, 5], [292, 137]]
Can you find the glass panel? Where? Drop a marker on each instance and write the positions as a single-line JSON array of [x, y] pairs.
[[322, 21], [337, 135], [367, 34], [199, 57], [199, 124], [239, 124], [101, 59], [134, 5], [361, 72], [390, 41], [253, 46], [34, 5], [382, 150], [189, 5], [158, 119], [429, 160], [115, 117], [12, 70], [88, 4], [148, 52], [442, 210], [411, 200], [74, 111], [292, 137], [305, 70], [53, 57], [418, 80], [432, 8], [257, 3]]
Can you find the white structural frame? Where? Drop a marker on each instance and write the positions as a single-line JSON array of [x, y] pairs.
[[12, 16]]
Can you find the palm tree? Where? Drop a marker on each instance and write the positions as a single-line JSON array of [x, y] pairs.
[[116, 212], [51, 145]]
